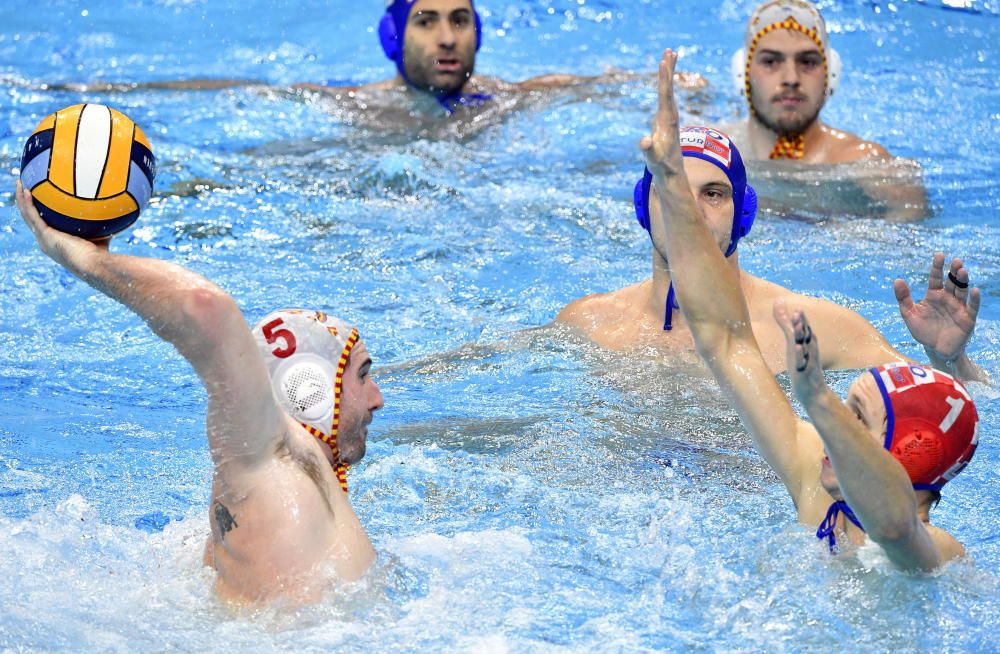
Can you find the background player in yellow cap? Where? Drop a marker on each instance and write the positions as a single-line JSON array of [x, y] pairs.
[[787, 70]]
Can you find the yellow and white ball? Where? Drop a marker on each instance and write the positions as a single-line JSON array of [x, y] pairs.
[[90, 170]]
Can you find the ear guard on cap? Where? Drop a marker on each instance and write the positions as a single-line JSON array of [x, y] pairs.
[[741, 223], [738, 70], [304, 388], [747, 215], [392, 41], [932, 426], [388, 37], [640, 198]]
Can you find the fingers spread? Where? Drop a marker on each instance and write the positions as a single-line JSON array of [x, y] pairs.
[[974, 303], [903, 297], [935, 280]]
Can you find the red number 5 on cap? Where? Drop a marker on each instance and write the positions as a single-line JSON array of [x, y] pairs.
[[272, 335]]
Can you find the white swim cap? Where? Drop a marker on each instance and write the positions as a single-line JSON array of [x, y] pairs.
[[797, 15], [306, 354]]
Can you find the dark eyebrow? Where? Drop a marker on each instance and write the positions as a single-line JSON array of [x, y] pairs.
[[429, 13], [859, 405], [716, 185], [799, 53]]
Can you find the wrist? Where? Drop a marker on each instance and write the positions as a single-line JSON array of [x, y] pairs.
[[820, 400], [941, 361]]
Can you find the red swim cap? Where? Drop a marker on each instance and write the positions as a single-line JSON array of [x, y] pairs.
[[932, 422]]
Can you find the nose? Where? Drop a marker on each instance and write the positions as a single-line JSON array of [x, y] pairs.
[[375, 400], [790, 73], [446, 35]]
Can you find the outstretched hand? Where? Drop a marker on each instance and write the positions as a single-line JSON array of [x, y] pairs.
[[63, 248], [662, 148], [944, 320], [802, 349]]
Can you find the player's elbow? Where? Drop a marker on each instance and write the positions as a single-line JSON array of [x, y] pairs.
[[715, 342], [895, 530], [210, 313]]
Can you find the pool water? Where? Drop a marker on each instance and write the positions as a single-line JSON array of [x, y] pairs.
[[526, 490]]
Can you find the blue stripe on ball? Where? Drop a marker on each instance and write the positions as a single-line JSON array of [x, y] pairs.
[[35, 172], [88, 229], [37, 144], [143, 158]]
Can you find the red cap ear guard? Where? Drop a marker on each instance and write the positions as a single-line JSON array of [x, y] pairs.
[[932, 423]]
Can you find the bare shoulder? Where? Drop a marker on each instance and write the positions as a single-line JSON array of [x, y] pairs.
[[819, 310], [947, 545], [847, 339], [589, 312], [845, 147], [323, 88]]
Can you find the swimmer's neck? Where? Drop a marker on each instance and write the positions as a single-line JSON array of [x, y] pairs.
[[762, 139], [426, 94], [659, 284]]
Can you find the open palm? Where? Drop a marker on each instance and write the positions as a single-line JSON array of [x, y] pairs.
[[944, 320]]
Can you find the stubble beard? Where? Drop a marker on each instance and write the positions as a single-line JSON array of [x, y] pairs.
[[792, 126], [422, 72]]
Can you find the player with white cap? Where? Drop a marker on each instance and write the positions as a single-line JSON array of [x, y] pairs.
[[787, 70], [289, 404]]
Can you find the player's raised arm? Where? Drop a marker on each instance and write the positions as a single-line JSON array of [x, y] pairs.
[[874, 484], [198, 318], [708, 291]]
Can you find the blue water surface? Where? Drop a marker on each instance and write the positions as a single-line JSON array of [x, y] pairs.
[[526, 490]]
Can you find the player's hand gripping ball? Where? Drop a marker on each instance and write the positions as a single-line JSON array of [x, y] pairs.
[[90, 170]]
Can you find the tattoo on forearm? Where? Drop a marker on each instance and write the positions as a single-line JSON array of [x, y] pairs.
[[224, 519], [805, 363]]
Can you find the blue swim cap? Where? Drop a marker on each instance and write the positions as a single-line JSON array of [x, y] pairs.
[[392, 30], [716, 148]]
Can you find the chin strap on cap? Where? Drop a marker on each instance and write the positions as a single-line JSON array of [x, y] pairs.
[[306, 354], [718, 149]]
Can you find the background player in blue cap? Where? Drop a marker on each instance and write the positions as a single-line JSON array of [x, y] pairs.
[[433, 44], [645, 316]]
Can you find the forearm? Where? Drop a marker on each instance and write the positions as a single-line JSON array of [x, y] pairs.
[[181, 85], [708, 288], [873, 483], [163, 294], [896, 185]]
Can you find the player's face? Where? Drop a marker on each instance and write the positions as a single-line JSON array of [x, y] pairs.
[[439, 50], [787, 81], [864, 401], [714, 194], [360, 398]]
